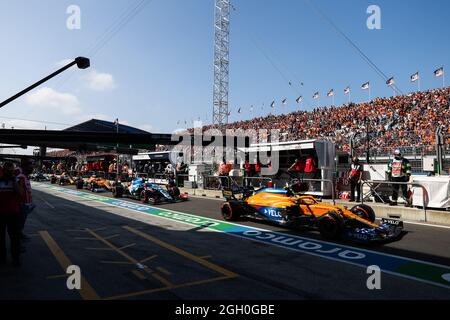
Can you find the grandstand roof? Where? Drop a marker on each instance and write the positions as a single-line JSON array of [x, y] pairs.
[[95, 125]]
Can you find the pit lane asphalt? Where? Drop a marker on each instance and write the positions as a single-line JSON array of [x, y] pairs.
[[108, 242]]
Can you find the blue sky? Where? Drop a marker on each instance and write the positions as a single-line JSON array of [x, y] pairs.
[[157, 70]]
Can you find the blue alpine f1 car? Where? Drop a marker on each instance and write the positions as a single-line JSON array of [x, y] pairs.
[[144, 191]]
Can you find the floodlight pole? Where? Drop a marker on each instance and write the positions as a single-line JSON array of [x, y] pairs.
[[81, 62], [117, 150], [366, 120]]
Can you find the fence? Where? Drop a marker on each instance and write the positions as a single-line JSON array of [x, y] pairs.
[[373, 184], [211, 182]]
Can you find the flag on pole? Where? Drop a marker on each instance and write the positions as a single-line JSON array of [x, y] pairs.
[[299, 99], [284, 101], [272, 105], [439, 72], [365, 86], [330, 93], [347, 90], [415, 77], [390, 82], [316, 95]]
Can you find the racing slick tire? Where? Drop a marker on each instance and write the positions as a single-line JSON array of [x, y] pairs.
[[117, 192], [93, 187], [231, 210], [79, 184], [154, 200], [53, 180], [364, 211], [330, 226], [143, 196]]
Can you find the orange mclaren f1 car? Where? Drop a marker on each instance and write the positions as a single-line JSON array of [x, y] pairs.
[[285, 207], [95, 184]]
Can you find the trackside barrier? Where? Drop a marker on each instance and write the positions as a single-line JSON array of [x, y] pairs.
[[256, 181], [370, 184], [159, 178], [211, 182]]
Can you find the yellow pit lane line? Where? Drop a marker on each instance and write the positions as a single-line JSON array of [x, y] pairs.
[[183, 253], [86, 291]]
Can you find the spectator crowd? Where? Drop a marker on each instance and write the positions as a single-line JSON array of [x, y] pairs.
[[400, 121]]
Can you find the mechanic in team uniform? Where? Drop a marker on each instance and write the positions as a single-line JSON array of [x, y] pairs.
[[311, 172], [355, 176], [26, 200], [10, 218], [298, 168], [399, 170]]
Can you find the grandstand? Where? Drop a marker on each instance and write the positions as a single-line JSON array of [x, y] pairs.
[[408, 122]]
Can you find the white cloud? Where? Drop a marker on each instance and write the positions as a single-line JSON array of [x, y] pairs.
[[99, 81], [50, 99], [20, 124]]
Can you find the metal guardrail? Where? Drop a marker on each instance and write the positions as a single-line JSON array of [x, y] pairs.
[[211, 182], [248, 181], [414, 184]]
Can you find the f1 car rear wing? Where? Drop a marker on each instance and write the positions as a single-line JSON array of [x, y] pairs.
[[230, 193]]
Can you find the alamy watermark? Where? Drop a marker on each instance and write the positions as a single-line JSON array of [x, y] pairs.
[[374, 20], [230, 146], [73, 21], [74, 279], [374, 280]]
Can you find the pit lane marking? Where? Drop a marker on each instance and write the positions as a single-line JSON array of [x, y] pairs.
[[148, 258], [224, 273], [177, 286], [446, 277], [164, 270], [183, 253], [404, 267], [427, 224], [139, 274], [86, 291], [116, 262], [46, 202]]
